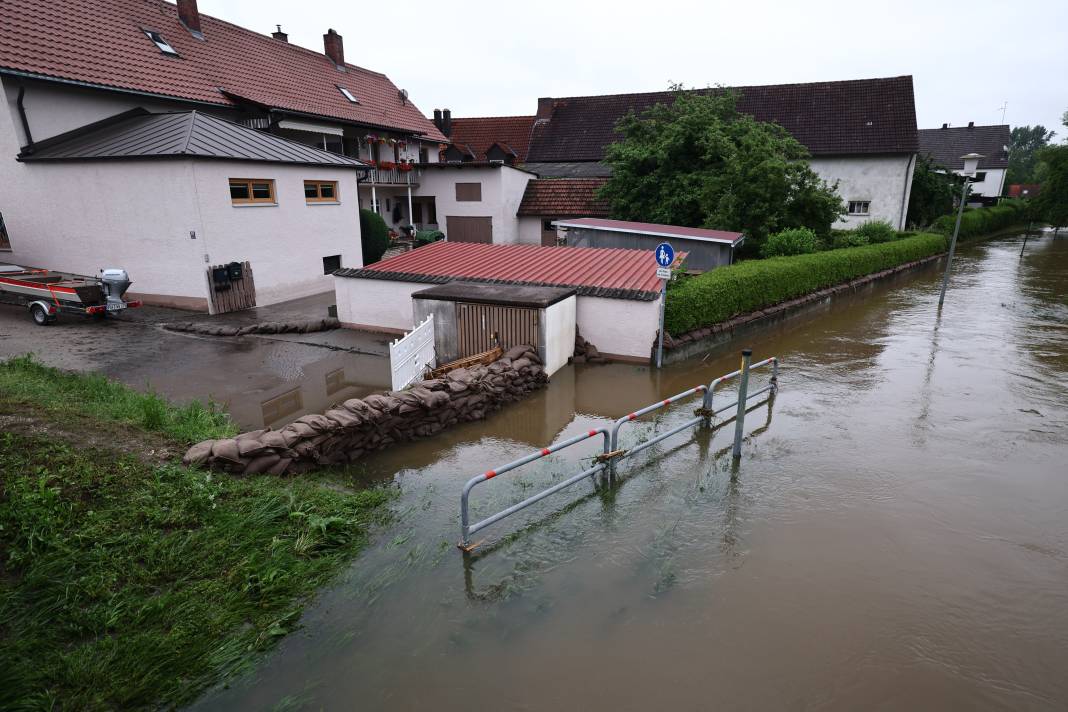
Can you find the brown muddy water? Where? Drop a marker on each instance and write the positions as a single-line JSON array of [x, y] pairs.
[[896, 537]]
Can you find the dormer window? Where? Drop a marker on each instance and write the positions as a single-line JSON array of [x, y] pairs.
[[347, 94], [163, 45]]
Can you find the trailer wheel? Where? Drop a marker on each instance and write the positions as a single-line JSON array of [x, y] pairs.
[[40, 315]]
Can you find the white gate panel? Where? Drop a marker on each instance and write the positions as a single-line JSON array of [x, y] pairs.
[[410, 355]]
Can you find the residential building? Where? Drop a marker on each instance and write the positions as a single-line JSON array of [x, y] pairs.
[[946, 145], [861, 135], [705, 249], [549, 200], [64, 66], [502, 139]]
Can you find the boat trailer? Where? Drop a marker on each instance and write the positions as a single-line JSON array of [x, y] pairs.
[[48, 294]]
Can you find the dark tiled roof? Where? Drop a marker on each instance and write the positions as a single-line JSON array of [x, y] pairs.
[[863, 116], [946, 146], [102, 43], [656, 230], [563, 197], [185, 134], [585, 169], [591, 271], [512, 132]]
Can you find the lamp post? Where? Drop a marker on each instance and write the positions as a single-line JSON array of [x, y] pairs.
[[971, 162]]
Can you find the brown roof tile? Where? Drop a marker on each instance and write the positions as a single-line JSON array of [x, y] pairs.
[[511, 132], [864, 116], [564, 197], [102, 43]]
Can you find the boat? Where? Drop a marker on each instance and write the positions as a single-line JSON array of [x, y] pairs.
[[47, 293]]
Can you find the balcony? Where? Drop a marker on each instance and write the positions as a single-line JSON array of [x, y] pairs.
[[393, 176]]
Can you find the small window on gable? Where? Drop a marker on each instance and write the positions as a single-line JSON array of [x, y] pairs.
[[347, 94], [164, 45], [859, 207]]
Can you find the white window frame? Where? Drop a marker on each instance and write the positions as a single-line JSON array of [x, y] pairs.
[[163, 45], [850, 207], [347, 94]]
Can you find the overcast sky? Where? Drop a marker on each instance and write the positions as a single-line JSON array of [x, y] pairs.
[[497, 58]]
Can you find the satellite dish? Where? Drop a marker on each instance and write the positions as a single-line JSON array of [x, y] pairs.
[[403, 96]]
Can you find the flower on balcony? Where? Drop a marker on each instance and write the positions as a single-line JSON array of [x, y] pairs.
[[404, 167], [387, 165], [371, 162], [370, 138]]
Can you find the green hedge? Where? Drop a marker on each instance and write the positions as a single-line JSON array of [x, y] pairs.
[[374, 235], [725, 292], [982, 221]]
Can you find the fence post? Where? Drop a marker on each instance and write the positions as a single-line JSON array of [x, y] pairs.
[[743, 387]]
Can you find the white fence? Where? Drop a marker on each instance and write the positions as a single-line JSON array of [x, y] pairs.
[[409, 356]]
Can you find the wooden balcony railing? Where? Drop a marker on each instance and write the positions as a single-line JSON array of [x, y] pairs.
[[392, 176]]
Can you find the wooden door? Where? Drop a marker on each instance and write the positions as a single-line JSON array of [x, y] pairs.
[[468, 229], [480, 327]]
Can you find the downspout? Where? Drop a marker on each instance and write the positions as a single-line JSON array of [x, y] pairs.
[[25, 122], [905, 192]]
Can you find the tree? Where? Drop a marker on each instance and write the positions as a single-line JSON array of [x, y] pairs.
[[374, 235], [1052, 202], [1026, 141], [933, 192], [699, 162]]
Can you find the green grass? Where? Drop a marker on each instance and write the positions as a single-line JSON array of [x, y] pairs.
[[126, 583], [49, 389]]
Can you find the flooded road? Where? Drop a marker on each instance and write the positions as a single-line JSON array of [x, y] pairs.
[[896, 535]]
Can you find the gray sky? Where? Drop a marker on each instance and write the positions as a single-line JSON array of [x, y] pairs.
[[497, 58]]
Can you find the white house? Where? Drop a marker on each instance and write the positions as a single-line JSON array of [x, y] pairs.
[[946, 145]]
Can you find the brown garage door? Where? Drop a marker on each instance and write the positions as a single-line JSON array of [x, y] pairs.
[[480, 327], [466, 229]]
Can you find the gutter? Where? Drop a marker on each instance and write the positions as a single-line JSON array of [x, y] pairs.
[[28, 148], [905, 193]]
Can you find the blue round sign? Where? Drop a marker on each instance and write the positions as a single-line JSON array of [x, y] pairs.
[[665, 255]]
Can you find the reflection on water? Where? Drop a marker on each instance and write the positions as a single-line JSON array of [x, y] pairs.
[[894, 537]]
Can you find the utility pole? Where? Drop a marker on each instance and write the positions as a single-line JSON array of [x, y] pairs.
[[1004, 107]]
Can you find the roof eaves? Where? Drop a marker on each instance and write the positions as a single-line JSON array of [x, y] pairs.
[[108, 87]]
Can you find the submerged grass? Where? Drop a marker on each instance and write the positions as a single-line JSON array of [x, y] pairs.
[[52, 390], [133, 584]]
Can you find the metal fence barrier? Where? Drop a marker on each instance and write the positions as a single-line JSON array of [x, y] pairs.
[[606, 461]]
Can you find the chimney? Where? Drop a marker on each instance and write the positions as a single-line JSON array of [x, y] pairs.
[[334, 48], [279, 35], [945, 126], [971, 124], [437, 119], [187, 13], [446, 122], [545, 109]]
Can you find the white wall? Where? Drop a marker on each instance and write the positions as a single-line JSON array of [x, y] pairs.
[[380, 304], [990, 187], [559, 333], [530, 230], [885, 181], [502, 191], [619, 327]]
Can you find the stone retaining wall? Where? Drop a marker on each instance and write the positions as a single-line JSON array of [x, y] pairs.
[[345, 433]]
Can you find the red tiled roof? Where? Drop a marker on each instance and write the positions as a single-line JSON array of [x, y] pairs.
[[481, 133], [102, 43], [862, 116], [564, 197], [593, 271], [656, 229]]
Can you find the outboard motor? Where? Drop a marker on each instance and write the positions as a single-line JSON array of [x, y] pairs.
[[114, 281]]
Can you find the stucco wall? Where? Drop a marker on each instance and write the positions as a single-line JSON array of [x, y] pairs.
[[560, 320], [502, 191], [619, 327], [380, 304], [885, 181], [530, 230], [992, 186]]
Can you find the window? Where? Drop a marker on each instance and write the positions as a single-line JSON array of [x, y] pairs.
[[547, 226], [424, 155], [980, 176], [859, 207], [469, 192], [320, 191], [331, 264], [5, 240], [347, 94], [164, 45], [252, 191], [417, 212]]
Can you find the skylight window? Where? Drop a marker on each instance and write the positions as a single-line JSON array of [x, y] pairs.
[[163, 45], [347, 94]]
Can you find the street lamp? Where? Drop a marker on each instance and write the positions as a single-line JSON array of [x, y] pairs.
[[971, 162]]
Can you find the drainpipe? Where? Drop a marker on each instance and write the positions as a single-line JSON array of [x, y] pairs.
[[25, 122], [905, 192], [410, 213]]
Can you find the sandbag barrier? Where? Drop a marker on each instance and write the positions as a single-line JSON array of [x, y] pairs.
[[357, 426], [206, 328]]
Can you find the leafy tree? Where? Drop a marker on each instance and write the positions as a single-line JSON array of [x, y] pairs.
[[374, 235], [1026, 141], [1052, 202], [792, 241], [699, 162], [933, 192]]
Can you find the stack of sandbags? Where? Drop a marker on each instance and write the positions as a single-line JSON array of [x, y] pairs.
[[357, 426], [208, 328], [585, 352]]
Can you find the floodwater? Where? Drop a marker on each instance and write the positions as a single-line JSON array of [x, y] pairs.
[[895, 536]]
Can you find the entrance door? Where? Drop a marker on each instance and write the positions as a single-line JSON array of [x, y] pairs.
[[467, 229], [480, 327]]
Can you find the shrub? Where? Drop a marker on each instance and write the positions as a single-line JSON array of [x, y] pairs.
[[794, 241], [425, 237], [724, 292], [982, 221], [374, 236], [848, 238], [877, 231]]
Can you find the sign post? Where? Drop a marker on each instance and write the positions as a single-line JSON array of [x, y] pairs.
[[665, 257]]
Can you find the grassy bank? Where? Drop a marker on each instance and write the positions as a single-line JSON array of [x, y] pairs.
[[132, 583], [725, 292]]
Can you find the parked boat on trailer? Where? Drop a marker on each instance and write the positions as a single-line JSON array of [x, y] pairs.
[[48, 294]]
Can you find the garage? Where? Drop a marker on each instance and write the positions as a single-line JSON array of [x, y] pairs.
[[469, 229]]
